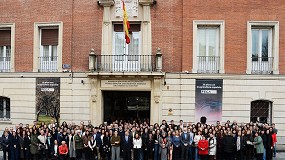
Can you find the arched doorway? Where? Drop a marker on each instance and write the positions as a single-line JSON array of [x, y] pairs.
[[261, 111]]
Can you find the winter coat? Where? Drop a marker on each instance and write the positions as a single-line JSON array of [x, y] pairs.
[[205, 145], [34, 144], [212, 146], [78, 142], [228, 144], [258, 145]]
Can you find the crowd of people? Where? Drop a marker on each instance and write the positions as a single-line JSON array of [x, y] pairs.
[[138, 140]]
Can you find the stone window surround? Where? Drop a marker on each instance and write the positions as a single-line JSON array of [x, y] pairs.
[[12, 27], [221, 24], [37, 26], [275, 43]]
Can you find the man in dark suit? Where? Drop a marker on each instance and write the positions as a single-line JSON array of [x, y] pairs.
[[185, 140], [127, 145]]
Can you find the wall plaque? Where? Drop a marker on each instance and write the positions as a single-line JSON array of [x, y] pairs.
[[125, 83]]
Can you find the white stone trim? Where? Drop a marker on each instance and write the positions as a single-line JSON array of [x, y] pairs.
[[12, 27], [36, 54], [221, 24], [275, 43]]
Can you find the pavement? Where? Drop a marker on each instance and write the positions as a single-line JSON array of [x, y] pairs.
[[279, 155]]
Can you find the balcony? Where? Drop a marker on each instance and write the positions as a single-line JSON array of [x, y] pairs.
[[262, 65], [208, 64], [5, 64], [125, 63], [48, 64]]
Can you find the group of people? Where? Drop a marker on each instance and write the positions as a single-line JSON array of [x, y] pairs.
[[138, 140]]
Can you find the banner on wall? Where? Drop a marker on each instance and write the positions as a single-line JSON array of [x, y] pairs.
[[208, 100], [48, 99]]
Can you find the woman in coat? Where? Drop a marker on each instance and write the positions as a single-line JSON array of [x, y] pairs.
[[15, 146], [71, 145], [106, 149], [34, 145], [203, 146], [258, 144], [212, 146], [26, 145], [137, 145], [176, 145], [163, 146]]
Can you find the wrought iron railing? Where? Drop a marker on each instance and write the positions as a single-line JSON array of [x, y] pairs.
[[262, 65], [208, 64], [48, 64], [125, 63], [5, 64]]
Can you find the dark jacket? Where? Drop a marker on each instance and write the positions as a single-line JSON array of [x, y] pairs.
[[27, 142], [127, 145], [228, 144], [185, 138], [5, 142], [15, 142]]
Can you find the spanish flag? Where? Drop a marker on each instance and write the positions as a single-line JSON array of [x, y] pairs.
[[126, 24]]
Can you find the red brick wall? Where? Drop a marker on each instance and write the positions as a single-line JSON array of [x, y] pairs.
[[235, 13], [82, 23], [172, 29]]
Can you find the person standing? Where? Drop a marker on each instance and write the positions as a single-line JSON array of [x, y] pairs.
[[212, 146], [92, 147], [27, 144], [137, 145], [42, 144], [115, 143], [14, 146], [185, 140], [63, 151], [163, 143], [71, 145], [54, 150], [258, 144], [78, 145], [34, 145], [6, 145], [228, 145], [176, 145], [197, 138], [127, 145], [203, 146]]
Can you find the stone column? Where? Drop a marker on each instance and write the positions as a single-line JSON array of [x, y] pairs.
[[156, 109], [95, 107], [106, 26], [146, 27]]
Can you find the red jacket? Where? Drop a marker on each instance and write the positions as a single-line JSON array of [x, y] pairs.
[[274, 138], [63, 149], [203, 144]]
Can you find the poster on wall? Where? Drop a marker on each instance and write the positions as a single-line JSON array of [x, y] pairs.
[[208, 100], [48, 99]]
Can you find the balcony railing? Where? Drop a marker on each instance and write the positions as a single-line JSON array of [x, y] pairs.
[[125, 63], [262, 65], [5, 64], [208, 64], [48, 64]]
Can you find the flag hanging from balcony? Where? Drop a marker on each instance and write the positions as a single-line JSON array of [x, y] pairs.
[[126, 24]]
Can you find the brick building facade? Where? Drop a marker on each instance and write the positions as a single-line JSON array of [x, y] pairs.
[[239, 42]]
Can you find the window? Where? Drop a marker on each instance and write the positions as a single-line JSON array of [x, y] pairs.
[[48, 54], [126, 57], [261, 111], [208, 47], [4, 108], [262, 56], [6, 47]]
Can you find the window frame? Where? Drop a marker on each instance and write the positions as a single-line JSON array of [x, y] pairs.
[[4, 100], [37, 43], [274, 25], [209, 23], [12, 56]]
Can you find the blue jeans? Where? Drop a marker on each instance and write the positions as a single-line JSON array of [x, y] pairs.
[[196, 153], [264, 154], [274, 150], [156, 149]]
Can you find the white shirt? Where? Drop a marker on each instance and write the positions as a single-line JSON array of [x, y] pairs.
[[137, 143], [55, 149]]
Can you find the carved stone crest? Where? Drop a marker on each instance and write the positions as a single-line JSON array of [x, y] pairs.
[[132, 7]]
